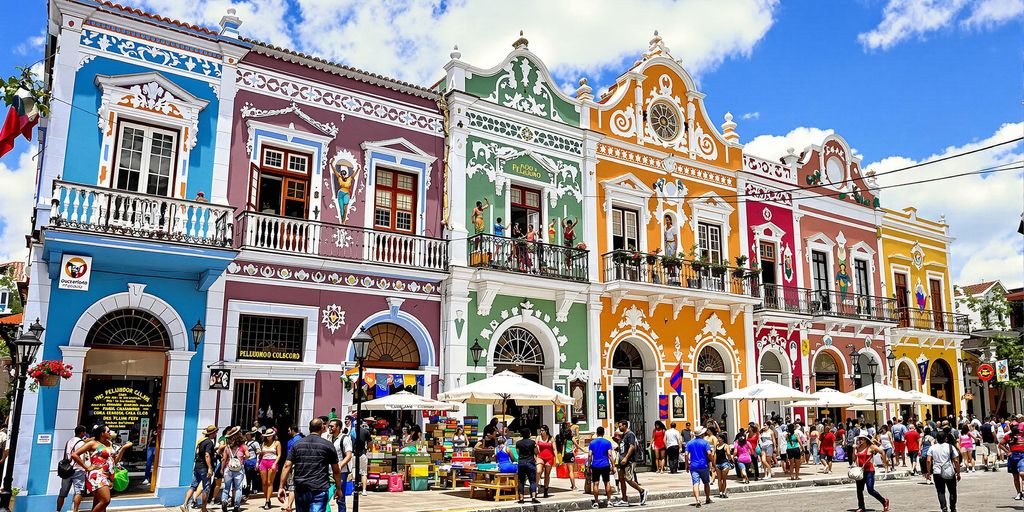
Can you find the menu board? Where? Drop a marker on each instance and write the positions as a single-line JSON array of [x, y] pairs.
[[119, 404]]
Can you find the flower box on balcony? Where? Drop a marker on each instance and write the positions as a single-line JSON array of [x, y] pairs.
[[479, 259]]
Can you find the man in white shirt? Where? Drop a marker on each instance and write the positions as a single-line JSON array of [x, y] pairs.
[[77, 480], [343, 445], [673, 440]]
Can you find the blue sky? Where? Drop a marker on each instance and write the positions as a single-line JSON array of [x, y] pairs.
[[902, 80]]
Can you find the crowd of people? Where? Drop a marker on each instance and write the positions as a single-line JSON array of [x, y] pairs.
[[232, 465]]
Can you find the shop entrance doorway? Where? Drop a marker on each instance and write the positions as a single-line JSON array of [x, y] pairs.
[[266, 404], [628, 396]]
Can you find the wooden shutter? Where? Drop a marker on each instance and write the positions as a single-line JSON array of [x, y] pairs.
[[254, 187]]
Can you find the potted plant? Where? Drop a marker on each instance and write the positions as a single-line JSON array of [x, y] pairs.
[[755, 271], [739, 271], [48, 373], [672, 261], [698, 262], [718, 269], [652, 257]]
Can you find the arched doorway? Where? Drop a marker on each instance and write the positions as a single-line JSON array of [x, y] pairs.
[[905, 382], [630, 389], [940, 385], [392, 348], [123, 386], [712, 380], [519, 351], [827, 375], [771, 368], [867, 358]]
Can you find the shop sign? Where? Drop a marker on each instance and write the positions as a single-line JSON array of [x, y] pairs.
[[679, 406], [602, 405], [271, 353], [220, 378], [986, 372], [75, 272], [120, 406], [44, 438], [968, 396], [526, 167]]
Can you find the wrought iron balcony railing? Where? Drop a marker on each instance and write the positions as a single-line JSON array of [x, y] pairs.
[[306, 237], [928, 320], [789, 299], [523, 257], [651, 269], [835, 303], [131, 214]]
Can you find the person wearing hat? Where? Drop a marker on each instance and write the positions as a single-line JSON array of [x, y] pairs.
[[698, 459], [202, 468], [270, 452], [233, 467], [252, 474], [865, 452]]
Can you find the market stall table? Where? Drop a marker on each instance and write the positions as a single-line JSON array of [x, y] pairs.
[[504, 485]]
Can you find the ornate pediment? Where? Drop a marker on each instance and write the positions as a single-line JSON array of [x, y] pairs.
[[148, 97]]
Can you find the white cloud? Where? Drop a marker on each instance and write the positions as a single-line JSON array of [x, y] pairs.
[[906, 19], [772, 147], [411, 40], [16, 196], [751, 116], [983, 211], [33, 45]]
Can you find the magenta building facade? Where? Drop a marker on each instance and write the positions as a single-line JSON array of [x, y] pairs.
[[335, 177]]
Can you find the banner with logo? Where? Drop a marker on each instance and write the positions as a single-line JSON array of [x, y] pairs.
[[75, 272], [663, 407], [922, 369], [1002, 370]]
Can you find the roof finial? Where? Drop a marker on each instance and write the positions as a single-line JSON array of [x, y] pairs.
[[229, 24], [729, 129], [657, 46], [455, 54], [521, 43], [584, 91]]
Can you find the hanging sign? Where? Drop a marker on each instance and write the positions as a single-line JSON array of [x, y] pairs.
[[968, 396], [220, 378], [922, 368], [986, 372], [602, 405], [1002, 370], [75, 272], [663, 407]]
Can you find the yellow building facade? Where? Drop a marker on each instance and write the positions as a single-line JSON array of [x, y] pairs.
[[672, 330], [925, 343]]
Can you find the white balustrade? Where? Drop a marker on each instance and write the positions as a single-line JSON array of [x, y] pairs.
[[112, 211]]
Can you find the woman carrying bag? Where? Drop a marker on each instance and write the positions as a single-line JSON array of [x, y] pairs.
[[944, 460], [864, 471]]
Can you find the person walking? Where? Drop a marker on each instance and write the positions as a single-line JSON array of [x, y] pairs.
[[744, 455], [673, 442], [1013, 446], [865, 451], [599, 460], [527, 452], [565, 444], [270, 452], [899, 431], [76, 481], [766, 441], [658, 445], [343, 445], [827, 449], [813, 435], [252, 472], [307, 463], [723, 463], [944, 461], [988, 439], [202, 469], [545, 457], [628, 447], [102, 461], [698, 458], [884, 440], [913, 441], [794, 454], [233, 467], [967, 447]]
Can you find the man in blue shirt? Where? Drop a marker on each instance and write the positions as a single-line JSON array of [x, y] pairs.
[[698, 458], [600, 466]]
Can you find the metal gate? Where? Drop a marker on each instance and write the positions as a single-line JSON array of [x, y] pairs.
[[246, 401], [636, 418]]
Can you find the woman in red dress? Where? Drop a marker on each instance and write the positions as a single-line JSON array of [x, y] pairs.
[[827, 449], [658, 443], [102, 462], [546, 456]]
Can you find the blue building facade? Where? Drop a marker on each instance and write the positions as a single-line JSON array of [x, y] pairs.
[[132, 228]]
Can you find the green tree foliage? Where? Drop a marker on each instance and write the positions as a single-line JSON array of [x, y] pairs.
[[993, 308]]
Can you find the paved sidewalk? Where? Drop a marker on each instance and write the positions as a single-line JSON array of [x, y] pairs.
[[661, 487]]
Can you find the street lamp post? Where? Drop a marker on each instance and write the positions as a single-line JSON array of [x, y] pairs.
[[25, 349], [360, 343], [477, 351], [873, 369]]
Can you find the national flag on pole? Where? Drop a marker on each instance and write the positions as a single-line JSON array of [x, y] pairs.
[[676, 380], [663, 407], [22, 116], [419, 380], [352, 374]]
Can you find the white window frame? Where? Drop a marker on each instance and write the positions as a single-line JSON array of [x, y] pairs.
[[263, 158], [622, 211], [147, 154], [5, 298], [628, 192], [305, 167], [828, 268], [704, 243], [853, 273], [710, 208]]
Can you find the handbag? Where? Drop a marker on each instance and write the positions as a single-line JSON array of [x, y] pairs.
[[855, 473], [66, 467], [947, 470]]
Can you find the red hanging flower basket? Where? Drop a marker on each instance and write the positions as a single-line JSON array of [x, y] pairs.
[[49, 373], [48, 381]]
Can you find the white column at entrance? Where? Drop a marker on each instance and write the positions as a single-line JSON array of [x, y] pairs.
[[69, 398], [175, 398], [594, 307]]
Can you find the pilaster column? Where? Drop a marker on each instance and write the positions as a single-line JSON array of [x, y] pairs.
[[171, 435]]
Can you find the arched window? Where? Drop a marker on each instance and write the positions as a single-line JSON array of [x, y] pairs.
[[392, 347], [770, 363], [826, 372], [710, 361], [904, 380], [627, 357], [518, 346], [129, 328]]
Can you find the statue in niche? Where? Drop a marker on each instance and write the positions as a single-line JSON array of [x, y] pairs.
[[344, 182]]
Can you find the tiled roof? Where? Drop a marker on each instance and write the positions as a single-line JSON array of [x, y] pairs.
[[19, 270], [164, 19], [12, 319], [975, 289]]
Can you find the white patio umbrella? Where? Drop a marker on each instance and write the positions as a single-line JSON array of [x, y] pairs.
[[406, 401], [828, 398], [500, 388], [765, 390], [926, 399], [883, 394]]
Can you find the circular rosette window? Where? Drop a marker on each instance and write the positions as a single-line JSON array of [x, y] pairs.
[[664, 119]]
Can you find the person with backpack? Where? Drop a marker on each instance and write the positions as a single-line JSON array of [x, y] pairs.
[[944, 460], [252, 472], [990, 457], [72, 476], [899, 441], [202, 469], [233, 469]]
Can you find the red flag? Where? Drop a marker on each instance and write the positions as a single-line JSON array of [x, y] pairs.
[[21, 118], [10, 131]]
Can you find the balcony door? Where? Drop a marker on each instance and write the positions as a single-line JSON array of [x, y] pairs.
[[395, 202], [283, 183], [625, 230], [821, 280], [524, 214], [769, 274], [863, 290], [902, 298], [935, 289]]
